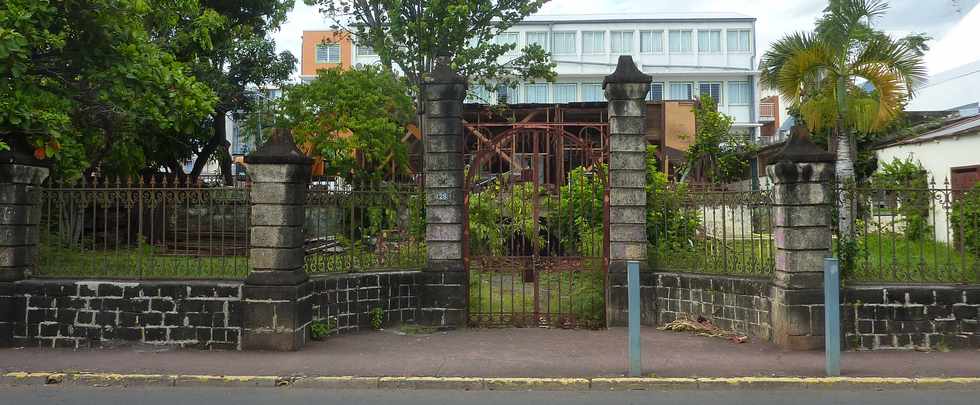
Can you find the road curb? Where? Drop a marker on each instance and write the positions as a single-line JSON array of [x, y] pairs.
[[486, 383]]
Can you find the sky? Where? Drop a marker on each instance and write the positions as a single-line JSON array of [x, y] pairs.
[[954, 25]]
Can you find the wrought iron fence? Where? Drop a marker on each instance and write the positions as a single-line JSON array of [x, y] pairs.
[[364, 228], [708, 231], [149, 227], [923, 234]]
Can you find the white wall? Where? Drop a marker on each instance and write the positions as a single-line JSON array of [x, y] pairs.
[[937, 157], [949, 89]]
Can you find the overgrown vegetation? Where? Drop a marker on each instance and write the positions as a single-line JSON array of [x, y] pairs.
[[717, 154], [321, 328], [906, 186], [965, 218]]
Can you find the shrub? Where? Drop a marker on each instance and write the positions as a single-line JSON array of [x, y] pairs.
[[906, 182], [321, 328], [670, 226], [965, 217]]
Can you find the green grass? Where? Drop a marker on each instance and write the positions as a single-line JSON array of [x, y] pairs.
[[751, 257], [893, 258], [565, 299], [135, 263]]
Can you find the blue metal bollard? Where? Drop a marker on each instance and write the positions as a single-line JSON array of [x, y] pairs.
[[633, 287], [831, 305]]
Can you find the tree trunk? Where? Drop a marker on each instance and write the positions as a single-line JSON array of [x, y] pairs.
[[844, 171], [217, 139]]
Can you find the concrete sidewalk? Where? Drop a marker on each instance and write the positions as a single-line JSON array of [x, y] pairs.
[[495, 353]]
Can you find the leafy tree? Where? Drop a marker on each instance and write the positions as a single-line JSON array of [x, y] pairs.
[[239, 57], [353, 119], [717, 154], [817, 70], [906, 182], [80, 81], [410, 34]]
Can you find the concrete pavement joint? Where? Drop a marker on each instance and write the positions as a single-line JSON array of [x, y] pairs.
[[485, 383]]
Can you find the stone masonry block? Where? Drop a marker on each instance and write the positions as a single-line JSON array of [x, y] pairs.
[[627, 233], [18, 193], [444, 232], [444, 108], [443, 161], [627, 197], [276, 259], [802, 194], [17, 256], [627, 161], [277, 236], [618, 142], [278, 193], [439, 250], [627, 126], [444, 127], [627, 215], [17, 235], [627, 250], [281, 215], [794, 261], [447, 179], [818, 238], [801, 215], [278, 173], [12, 173], [626, 109], [19, 214], [444, 214], [626, 178], [795, 280]]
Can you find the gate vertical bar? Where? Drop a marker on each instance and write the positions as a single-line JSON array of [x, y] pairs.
[[443, 294], [626, 91]]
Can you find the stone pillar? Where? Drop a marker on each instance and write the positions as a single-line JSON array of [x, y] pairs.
[[626, 90], [802, 198], [277, 295], [20, 179], [444, 283]]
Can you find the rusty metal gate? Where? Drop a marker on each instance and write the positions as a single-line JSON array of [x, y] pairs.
[[535, 239]]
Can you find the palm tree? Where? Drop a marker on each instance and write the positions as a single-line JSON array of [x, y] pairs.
[[818, 73]]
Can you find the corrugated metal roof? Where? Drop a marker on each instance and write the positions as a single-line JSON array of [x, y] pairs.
[[634, 17], [959, 127]]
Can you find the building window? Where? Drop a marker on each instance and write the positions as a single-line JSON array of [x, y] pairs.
[[651, 41], [680, 41], [738, 41], [656, 92], [507, 38], [592, 92], [712, 89], [563, 43], [709, 41], [621, 42], [536, 93], [328, 53], [739, 93], [593, 42], [565, 92], [365, 50], [480, 95], [506, 95], [538, 38], [681, 91]]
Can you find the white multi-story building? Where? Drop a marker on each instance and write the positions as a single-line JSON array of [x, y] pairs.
[[688, 54]]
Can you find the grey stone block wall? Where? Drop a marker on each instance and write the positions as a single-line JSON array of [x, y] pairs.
[[740, 304], [20, 214], [443, 285], [93, 313], [626, 91], [349, 298], [910, 317]]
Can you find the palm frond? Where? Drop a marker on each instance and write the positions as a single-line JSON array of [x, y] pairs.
[[901, 59], [794, 63]]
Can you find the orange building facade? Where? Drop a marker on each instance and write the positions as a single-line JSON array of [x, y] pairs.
[[325, 50]]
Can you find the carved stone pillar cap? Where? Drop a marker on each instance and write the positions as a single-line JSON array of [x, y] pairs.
[[799, 149], [443, 73], [280, 148], [626, 72]]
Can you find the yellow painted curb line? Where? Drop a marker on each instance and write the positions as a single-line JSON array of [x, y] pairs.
[[484, 383]]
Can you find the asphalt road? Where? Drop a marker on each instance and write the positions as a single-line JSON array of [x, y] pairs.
[[31, 395]]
